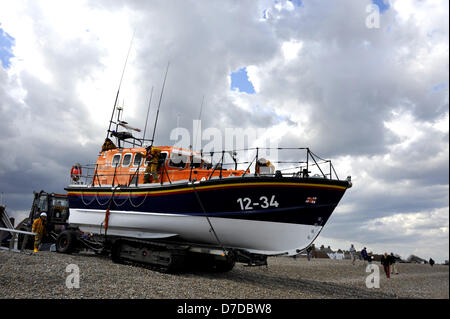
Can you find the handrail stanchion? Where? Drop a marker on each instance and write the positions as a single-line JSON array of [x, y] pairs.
[[335, 174], [256, 163], [96, 175], [114, 177], [307, 160], [167, 174], [192, 166], [164, 170], [331, 177], [318, 166], [245, 172], [215, 166], [221, 165]]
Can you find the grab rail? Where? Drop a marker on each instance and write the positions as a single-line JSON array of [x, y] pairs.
[[303, 168]]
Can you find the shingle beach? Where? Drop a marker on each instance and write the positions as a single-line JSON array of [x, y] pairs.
[[44, 275]]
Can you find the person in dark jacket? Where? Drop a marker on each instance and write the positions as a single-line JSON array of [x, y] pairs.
[[385, 261], [431, 262], [394, 264], [364, 255]]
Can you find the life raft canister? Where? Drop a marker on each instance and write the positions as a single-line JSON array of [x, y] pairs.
[[75, 172]]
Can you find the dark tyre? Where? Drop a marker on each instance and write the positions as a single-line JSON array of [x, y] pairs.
[[115, 252], [66, 242], [224, 265]]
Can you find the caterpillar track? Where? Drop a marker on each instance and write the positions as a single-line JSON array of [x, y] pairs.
[[167, 257]]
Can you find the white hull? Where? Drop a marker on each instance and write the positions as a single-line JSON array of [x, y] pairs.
[[269, 238]]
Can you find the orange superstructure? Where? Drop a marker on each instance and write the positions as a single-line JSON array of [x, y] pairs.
[[126, 166]]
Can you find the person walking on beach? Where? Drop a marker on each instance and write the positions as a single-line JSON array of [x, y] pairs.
[[40, 230], [352, 251], [394, 264], [308, 252], [385, 261], [364, 255], [431, 261]]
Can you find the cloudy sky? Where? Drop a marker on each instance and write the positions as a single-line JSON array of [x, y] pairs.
[[371, 94]]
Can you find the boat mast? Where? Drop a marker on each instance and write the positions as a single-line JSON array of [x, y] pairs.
[[148, 111], [120, 84], [159, 105], [198, 126]]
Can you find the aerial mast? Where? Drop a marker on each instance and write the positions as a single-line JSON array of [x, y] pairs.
[[198, 126], [148, 111], [159, 105], [120, 84]]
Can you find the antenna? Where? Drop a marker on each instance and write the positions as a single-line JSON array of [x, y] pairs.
[[198, 126], [159, 104], [120, 84], [148, 111]]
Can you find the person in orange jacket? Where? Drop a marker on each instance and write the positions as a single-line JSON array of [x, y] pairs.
[[40, 230], [153, 159]]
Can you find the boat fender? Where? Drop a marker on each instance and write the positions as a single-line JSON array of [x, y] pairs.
[[75, 172], [106, 220]]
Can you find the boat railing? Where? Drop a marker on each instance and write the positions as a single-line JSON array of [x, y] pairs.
[[311, 165], [219, 166]]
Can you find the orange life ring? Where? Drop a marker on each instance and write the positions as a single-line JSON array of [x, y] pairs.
[[75, 172]]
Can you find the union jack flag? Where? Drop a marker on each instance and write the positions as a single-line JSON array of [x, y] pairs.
[[311, 200]]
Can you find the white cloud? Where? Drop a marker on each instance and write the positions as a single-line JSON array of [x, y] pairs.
[[362, 97], [291, 49], [284, 5], [253, 76]]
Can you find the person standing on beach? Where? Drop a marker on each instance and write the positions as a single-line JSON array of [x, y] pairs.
[[308, 252], [385, 261], [364, 255], [394, 264], [431, 261], [39, 227], [352, 251]]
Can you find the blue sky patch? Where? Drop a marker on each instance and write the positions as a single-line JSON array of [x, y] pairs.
[[297, 3], [240, 81], [439, 87], [383, 5], [6, 43]]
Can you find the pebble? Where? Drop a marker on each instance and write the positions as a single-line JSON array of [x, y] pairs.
[[43, 275]]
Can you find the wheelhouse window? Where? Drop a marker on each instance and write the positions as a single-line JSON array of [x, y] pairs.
[[196, 162], [116, 160], [127, 160], [178, 160], [138, 159]]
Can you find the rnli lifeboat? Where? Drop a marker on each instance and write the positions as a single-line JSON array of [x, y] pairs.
[[151, 193], [165, 193]]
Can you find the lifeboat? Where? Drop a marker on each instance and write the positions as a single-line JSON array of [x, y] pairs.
[[181, 194], [143, 192]]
